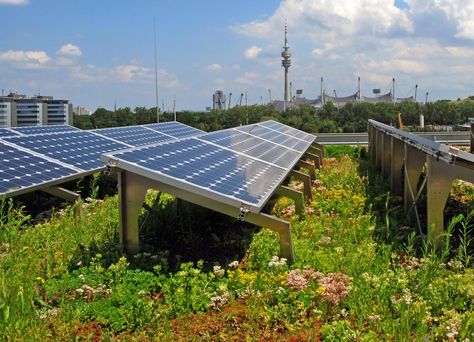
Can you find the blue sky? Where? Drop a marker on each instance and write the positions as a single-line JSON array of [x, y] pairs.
[[98, 52]]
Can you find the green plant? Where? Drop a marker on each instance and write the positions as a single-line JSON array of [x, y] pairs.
[[466, 239]]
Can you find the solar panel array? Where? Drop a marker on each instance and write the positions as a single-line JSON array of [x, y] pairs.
[[50, 154], [22, 169], [235, 166], [207, 166], [44, 129], [238, 165], [79, 148]]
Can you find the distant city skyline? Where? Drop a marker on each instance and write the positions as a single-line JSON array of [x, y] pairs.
[[96, 54]]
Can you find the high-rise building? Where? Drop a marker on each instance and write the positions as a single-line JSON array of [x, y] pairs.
[[7, 107], [19, 110]]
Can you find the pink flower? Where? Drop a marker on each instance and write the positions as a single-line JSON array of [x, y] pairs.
[[336, 287], [296, 280]]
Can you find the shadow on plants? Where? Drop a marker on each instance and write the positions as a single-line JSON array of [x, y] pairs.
[[175, 231]]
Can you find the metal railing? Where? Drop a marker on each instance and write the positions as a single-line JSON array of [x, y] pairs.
[[401, 156], [472, 134]]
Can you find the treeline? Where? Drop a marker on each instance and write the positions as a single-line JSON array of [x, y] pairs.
[[350, 118]]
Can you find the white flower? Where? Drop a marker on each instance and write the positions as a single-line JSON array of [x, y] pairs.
[[234, 264], [218, 271], [407, 296], [81, 277], [277, 262]]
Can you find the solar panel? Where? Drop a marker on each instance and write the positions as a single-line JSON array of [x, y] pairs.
[[274, 125], [253, 146], [276, 137], [79, 148], [20, 169], [176, 129], [5, 132], [134, 135], [201, 166], [288, 130], [44, 129]]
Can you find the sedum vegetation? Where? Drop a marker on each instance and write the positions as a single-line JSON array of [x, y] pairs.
[[355, 277]]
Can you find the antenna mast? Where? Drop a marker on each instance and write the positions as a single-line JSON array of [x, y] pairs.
[[174, 108], [156, 73]]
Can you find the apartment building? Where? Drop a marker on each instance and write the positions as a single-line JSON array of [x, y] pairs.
[[19, 110]]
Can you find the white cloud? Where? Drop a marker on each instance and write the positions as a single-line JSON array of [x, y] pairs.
[[125, 73], [131, 73], [14, 2], [248, 78], [25, 59], [214, 67], [461, 12], [325, 20], [70, 50], [252, 52]]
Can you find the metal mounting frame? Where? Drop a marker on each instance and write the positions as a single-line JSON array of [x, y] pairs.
[[310, 167], [402, 155], [295, 195], [472, 134], [306, 179], [132, 191], [60, 192]]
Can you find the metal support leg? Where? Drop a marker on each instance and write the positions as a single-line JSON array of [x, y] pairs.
[[396, 170], [378, 149], [317, 149], [295, 195], [310, 167], [372, 143], [65, 194], [472, 136], [314, 158], [414, 162], [306, 182], [283, 228], [386, 160], [315, 155], [132, 191], [440, 177]]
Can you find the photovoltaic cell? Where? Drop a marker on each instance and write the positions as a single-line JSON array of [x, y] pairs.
[[288, 130], [134, 135], [4, 132], [20, 169], [79, 148], [253, 146], [204, 165], [275, 137], [44, 129], [176, 129]]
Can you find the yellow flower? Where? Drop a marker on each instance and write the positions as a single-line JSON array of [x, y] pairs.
[[41, 280]]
